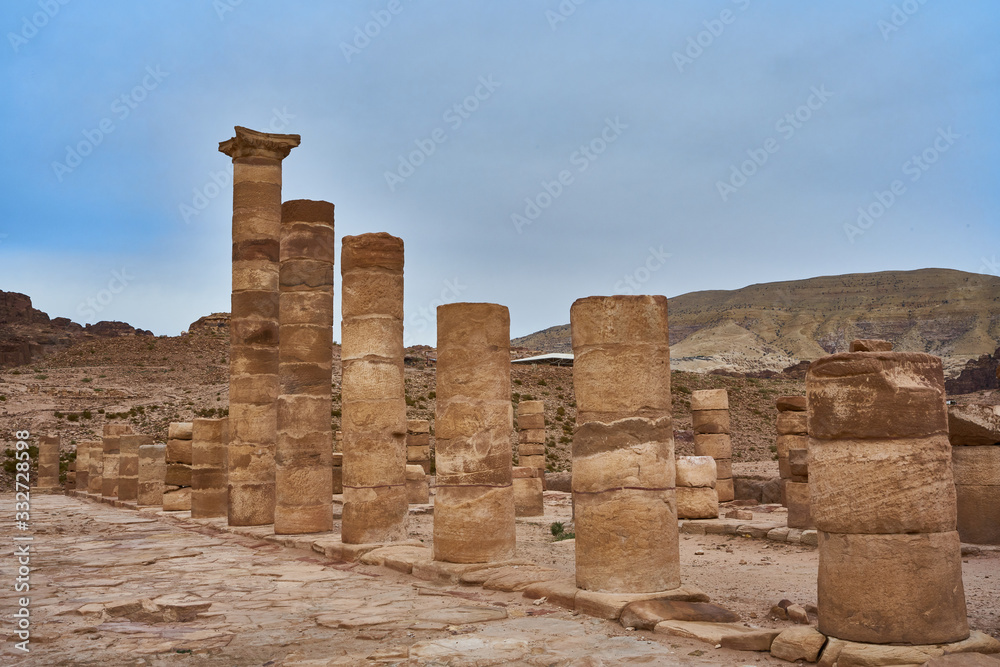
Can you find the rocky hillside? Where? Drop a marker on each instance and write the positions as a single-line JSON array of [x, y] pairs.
[[770, 326], [26, 333]]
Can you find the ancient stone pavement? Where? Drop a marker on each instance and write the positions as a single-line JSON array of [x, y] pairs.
[[117, 587]]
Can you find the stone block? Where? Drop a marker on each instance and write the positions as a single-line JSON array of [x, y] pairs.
[[882, 486], [797, 497], [724, 489], [177, 501], [179, 431], [528, 496], [876, 395], [534, 435], [791, 423], [976, 466], [710, 399], [525, 422], [710, 421], [798, 643], [695, 471], [716, 445], [697, 503], [531, 449], [791, 404], [978, 513], [179, 451], [645, 614], [891, 588], [975, 425], [177, 474]]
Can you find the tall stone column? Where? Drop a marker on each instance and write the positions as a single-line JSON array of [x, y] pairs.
[[418, 444], [883, 499], [177, 475], [474, 493], [623, 447], [710, 422], [531, 437], [95, 468], [374, 404], [152, 467], [128, 465], [253, 362], [111, 453], [48, 464], [82, 466], [304, 455], [209, 488]]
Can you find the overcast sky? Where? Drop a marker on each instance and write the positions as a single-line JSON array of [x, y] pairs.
[[528, 153]]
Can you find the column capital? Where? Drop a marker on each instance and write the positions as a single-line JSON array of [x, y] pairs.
[[250, 143]]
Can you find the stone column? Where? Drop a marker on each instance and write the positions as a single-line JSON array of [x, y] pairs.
[[974, 432], [253, 363], [531, 436], [792, 443], [623, 447], [418, 444], [95, 468], [474, 495], [111, 453], [710, 420], [303, 458], [70, 476], [177, 476], [209, 487], [48, 464], [883, 499], [152, 467], [82, 466], [790, 426], [696, 495], [128, 465], [374, 404], [337, 463]]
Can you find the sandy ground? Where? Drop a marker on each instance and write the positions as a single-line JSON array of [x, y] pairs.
[[272, 605]]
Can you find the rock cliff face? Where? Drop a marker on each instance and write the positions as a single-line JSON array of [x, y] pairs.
[[978, 374], [27, 333], [953, 314]]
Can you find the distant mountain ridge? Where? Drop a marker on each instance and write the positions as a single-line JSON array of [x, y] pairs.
[[953, 314], [27, 333]]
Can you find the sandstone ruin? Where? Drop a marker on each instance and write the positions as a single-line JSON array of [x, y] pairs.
[[474, 500], [209, 468], [253, 366], [374, 403], [303, 476], [710, 421]]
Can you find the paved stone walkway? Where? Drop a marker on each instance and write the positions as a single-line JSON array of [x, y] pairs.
[[117, 587]]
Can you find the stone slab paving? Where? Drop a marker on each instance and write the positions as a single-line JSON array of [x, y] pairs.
[[117, 587]]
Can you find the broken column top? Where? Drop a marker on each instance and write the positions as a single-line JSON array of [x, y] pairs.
[[375, 250], [710, 399], [250, 143], [111, 430], [975, 425], [870, 345]]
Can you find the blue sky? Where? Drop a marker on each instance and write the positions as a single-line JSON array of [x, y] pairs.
[[528, 153]]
